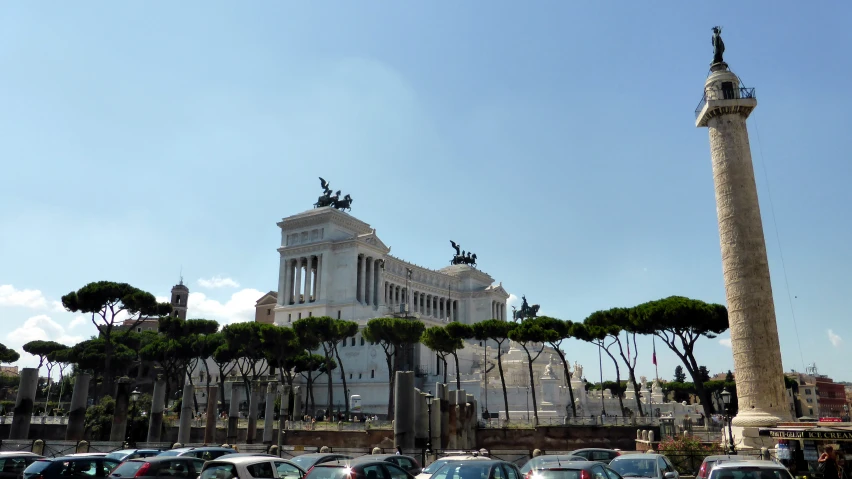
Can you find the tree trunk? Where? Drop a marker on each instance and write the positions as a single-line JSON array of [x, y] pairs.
[[107, 388], [330, 379], [700, 390], [458, 374], [342, 375], [567, 378], [617, 378], [532, 383], [391, 381], [502, 379], [444, 359], [636, 391]]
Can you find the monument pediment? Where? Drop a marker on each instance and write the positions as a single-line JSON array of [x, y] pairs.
[[324, 216], [268, 298], [374, 241]]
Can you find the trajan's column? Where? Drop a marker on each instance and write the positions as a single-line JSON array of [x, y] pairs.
[[751, 311]]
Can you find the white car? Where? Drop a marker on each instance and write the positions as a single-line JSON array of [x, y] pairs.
[[653, 466], [258, 467], [432, 468], [757, 469]]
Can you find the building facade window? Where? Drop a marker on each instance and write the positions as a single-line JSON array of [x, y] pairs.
[[372, 373], [268, 311], [362, 341]]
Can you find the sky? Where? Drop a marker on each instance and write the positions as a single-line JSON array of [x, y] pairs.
[[142, 141]]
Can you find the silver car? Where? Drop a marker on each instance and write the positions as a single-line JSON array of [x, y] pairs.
[[259, 467], [750, 469], [654, 466]]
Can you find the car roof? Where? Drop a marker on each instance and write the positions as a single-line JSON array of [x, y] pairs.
[[595, 449], [380, 457], [722, 456], [637, 456], [163, 458], [569, 465], [465, 458], [17, 453], [748, 463]]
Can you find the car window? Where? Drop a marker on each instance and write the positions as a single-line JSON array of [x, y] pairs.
[[109, 465], [197, 465], [749, 473], [395, 471], [511, 472], [374, 471], [403, 462], [219, 471], [175, 468], [598, 472], [497, 472], [611, 474], [15, 465], [261, 470], [288, 471], [601, 456], [662, 464], [432, 468], [128, 469]]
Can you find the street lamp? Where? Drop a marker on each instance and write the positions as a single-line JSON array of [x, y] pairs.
[[134, 398], [429, 398], [650, 404], [726, 400]]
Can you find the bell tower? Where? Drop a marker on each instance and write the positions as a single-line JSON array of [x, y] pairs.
[[180, 296]]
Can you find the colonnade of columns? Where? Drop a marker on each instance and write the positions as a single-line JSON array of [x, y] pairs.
[[433, 306], [498, 310], [370, 274], [301, 279]]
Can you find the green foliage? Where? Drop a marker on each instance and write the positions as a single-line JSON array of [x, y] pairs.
[[393, 334], [8, 355], [99, 419], [687, 453], [493, 329], [703, 374], [42, 349], [729, 378], [439, 340], [90, 355], [679, 376]]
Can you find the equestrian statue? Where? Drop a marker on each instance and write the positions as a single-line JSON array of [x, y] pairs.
[[332, 199], [462, 257], [526, 311]]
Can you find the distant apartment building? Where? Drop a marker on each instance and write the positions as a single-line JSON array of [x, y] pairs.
[[9, 370], [819, 396]]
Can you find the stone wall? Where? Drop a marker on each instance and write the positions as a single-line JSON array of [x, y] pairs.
[[544, 438]]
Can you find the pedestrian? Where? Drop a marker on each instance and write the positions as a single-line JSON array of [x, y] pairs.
[[827, 464], [398, 450]]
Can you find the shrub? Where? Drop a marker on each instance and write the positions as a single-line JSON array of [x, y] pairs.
[[687, 452]]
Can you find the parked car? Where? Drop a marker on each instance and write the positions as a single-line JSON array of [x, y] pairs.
[[81, 466], [208, 453], [749, 469], [574, 470], [655, 466], [710, 461], [126, 454], [596, 454], [489, 468], [407, 463], [307, 461], [547, 460], [364, 469], [183, 467], [427, 472], [13, 463], [247, 466]]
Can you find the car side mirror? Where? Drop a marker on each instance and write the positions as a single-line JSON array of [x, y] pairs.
[[670, 475]]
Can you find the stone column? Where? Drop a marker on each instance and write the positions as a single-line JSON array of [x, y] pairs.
[[318, 284], [254, 402], [308, 280], [362, 273], [297, 286], [158, 405], [24, 403], [403, 423], [435, 440], [185, 425], [77, 415], [282, 415], [297, 403], [282, 281], [421, 420], [269, 414], [368, 281], [748, 289], [472, 416], [234, 413], [442, 397], [118, 432], [212, 415], [452, 421]]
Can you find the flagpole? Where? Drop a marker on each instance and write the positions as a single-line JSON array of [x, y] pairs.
[[656, 366]]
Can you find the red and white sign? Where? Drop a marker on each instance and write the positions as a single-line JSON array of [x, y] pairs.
[[830, 419]]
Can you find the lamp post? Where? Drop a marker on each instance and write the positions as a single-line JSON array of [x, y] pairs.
[[650, 405], [429, 398], [726, 399], [134, 398]]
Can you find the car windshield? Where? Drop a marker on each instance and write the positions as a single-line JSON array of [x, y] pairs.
[[328, 473], [438, 464], [128, 469], [305, 462], [557, 474], [173, 452], [548, 461], [219, 471], [119, 455], [38, 466], [746, 472], [635, 467], [461, 470]]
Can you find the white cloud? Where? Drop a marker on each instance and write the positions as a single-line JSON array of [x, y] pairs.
[[726, 342], [218, 282], [27, 298], [238, 309], [79, 320], [40, 327], [834, 339]]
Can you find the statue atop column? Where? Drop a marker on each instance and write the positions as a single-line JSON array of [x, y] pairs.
[[718, 45], [549, 373], [333, 200], [462, 257]]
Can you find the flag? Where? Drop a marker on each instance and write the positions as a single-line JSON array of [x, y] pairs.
[[654, 357]]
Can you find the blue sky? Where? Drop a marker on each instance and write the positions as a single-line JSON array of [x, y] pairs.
[[554, 139]]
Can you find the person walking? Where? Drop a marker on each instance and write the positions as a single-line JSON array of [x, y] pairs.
[[827, 464]]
